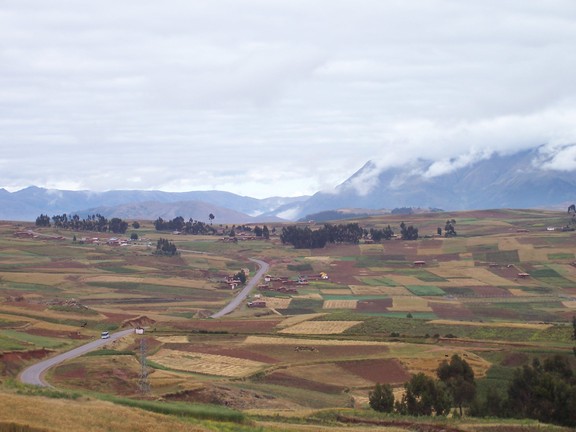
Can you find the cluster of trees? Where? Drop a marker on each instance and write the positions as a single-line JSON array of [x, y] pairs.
[[305, 238], [187, 227], [408, 232], [95, 222], [449, 229], [541, 391], [262, 232], [425, 396], [165, 247], [544, 391], [381, 234]]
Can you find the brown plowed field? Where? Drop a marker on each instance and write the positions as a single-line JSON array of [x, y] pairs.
[[229, 352], [376, 305], [383, 371]]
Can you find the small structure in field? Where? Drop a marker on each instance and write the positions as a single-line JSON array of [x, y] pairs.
[[257, 304]]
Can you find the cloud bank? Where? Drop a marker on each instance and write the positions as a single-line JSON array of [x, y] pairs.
[[277, 98]]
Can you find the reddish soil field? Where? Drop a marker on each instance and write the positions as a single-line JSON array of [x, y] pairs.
[[337, 250], [451, 311], [505, 272], [378, 305], [343, 272], [117, 318], [288, 353], [11, 362], [230, 352], [447, 257], [285, 380], [383, 371], [231, 326]]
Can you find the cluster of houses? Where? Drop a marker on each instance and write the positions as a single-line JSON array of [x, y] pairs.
[[286, 285], [282, 284]]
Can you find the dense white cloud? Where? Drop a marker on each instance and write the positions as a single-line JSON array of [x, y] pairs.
[[277, 98]]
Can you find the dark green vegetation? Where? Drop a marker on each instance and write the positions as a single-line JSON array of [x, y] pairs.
[[97, 223]]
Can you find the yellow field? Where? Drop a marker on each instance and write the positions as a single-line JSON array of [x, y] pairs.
[[409, 304], [336, 292], [173, 339], [270, 340], [571, 304], [339, 304], [370, 248], [41, 314], [208, 364], [171, 281], [328, 373], [84, 415], [428, 362], [298, 319], [277, 302], [37, 278], [320, 327]]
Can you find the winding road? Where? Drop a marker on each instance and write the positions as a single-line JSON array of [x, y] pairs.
[[245, 291], [34, 374]]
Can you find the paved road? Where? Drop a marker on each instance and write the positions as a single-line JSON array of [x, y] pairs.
[[245, 291], [34, 374]]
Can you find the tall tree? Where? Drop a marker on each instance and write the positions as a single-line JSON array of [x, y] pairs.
[[423, 396], [459, 379], [381, 398]]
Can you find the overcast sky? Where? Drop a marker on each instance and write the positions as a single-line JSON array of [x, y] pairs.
[[276, 97]]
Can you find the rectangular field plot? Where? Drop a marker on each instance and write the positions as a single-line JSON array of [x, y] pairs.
[[320, 327], [277, 302], [409, 304], [361, 290], [271, 340], [207, 364], [425, 290], [339, 304], [377, 281], [336, 291]]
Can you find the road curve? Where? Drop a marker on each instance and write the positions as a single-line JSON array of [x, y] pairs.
[[34, 374], [245, 291]]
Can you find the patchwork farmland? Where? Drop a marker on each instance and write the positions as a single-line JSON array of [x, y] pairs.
[[504, 288]]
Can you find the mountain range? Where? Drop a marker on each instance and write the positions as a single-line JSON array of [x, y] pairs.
[[499, 181]]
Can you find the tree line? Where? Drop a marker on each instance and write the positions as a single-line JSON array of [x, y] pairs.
[[544, 391], [95, 222], [191, 226], [306, 238]]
